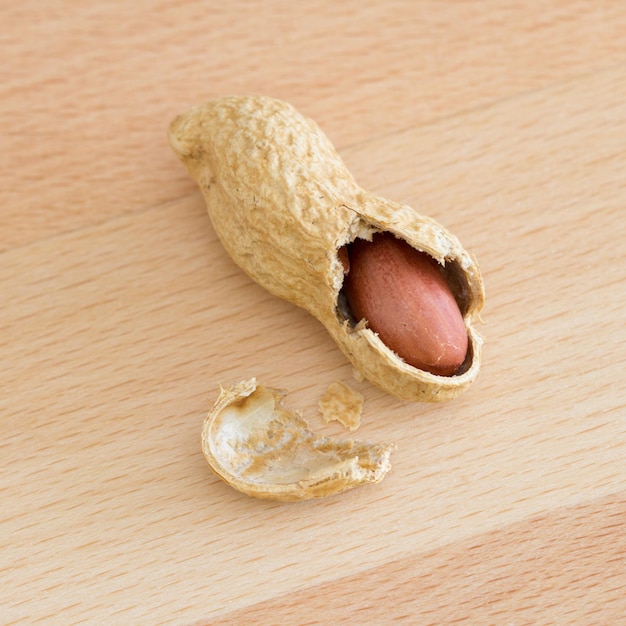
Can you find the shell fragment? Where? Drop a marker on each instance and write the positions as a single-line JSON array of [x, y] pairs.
[[262, 449]]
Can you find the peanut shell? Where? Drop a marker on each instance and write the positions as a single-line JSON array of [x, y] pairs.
[[284, 204], [342, 404], [266, 451]]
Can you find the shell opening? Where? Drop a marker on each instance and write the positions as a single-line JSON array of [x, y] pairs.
[[453, 277]]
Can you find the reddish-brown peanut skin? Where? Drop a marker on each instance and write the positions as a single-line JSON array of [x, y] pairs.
[[404, 297]]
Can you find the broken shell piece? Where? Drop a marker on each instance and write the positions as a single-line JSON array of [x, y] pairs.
[[264, 450], [342, 404]]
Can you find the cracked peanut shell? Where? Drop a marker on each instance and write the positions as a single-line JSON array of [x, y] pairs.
[[264, 450], [284, 205]]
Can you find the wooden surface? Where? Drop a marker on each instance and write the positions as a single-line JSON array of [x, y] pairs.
[[121, 313]]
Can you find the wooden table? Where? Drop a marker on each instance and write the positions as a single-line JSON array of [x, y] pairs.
[[121, 314]]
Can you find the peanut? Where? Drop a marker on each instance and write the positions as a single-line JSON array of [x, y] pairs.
[[407, 301], [285, 207]]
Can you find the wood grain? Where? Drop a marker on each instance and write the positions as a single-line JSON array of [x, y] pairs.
[[121, 314], [88, 90], [538, 571]]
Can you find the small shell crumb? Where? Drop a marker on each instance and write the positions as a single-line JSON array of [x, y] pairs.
[[342, 404]]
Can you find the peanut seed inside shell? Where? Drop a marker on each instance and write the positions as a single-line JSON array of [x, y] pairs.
[[404, 297]]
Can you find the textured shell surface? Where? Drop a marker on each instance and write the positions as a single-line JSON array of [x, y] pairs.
[[286, 182], [283, 203]]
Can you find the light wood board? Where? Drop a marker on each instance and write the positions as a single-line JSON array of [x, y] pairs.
[[121, 314]]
